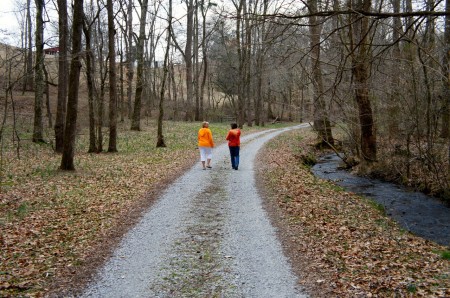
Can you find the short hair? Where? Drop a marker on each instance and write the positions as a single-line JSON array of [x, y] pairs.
[[205, 123], [233, 125]]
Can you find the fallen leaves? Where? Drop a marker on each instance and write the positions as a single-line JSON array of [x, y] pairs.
[[51, 221], [344, 241]]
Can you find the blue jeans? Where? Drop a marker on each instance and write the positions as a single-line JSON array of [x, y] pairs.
[[234, 153]]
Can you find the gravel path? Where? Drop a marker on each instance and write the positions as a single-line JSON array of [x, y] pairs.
[[207, 236]]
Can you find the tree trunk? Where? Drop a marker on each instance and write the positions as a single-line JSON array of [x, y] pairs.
[[160, 142], [260, 68], [321, 121], [47, 99], [74, 78], [130, 56], [394, 102], [91, 91], [361, 72], [136, 121], [188, 59], [103, 73], [205, 62], [196, 63], [446, 86], [241, 76], [112, 146], [248, 64], [28, 79], [445, 130], [121, 80], [62, 76], [38, 128], [174, 92]]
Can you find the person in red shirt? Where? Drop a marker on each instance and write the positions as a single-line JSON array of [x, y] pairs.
[[234, 143]]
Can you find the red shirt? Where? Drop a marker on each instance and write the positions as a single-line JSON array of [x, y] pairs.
[[233, 137]]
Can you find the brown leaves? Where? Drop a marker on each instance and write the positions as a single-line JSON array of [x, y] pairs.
[[350, 244], [50, 220]]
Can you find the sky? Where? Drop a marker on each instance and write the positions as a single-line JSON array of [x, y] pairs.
[[8, 21], [9, 27]]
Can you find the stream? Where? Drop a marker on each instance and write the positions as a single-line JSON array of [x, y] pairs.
[[416, 212]]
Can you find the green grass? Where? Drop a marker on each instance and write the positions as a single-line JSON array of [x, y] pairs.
[[377, 206], [445, 254]]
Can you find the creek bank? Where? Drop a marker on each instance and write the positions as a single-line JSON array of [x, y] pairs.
[[416, 212]]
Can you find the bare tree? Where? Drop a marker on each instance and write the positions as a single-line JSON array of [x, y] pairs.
[[446, 85], [90, 73], [260, 65], [112, 146], [62, 75], [130, 56], [360, 54], [28, 78], [99, 42], [67, 162], [38, 128], [136, 120], [160, 142], [188, 58], [321, 120], [239, 5], [445, 131]]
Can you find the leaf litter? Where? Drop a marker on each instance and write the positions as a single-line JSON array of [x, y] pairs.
[[55, 225], [340, 244]]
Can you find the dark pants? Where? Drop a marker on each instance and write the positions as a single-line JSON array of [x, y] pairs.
[[234, 153]]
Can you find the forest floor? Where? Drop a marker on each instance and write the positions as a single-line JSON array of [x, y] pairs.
[[57, 228]]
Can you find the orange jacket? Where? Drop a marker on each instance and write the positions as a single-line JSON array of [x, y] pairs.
[[233, 137], [205, 138]]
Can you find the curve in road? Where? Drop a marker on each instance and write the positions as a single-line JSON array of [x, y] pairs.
[[207, 236]]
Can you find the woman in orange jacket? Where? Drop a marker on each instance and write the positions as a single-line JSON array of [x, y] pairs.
[[205, 144]]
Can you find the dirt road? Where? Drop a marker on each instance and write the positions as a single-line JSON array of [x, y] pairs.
[[207, 236]]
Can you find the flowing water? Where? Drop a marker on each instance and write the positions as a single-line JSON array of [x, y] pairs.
[[414, 211]]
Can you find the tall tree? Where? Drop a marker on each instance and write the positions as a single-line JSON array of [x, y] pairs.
[[445, 131], [188, 58], [204, 9], [90, 74], [38, 128], [99, 42], [446, 83], [130, 56], [321, 120], [239, 5], [67, 162], [136, 120], [28, 78], [260, 66], [196, 60], [160, 141], [62, 75], [112, 146], [360, 54], [247, 62]]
